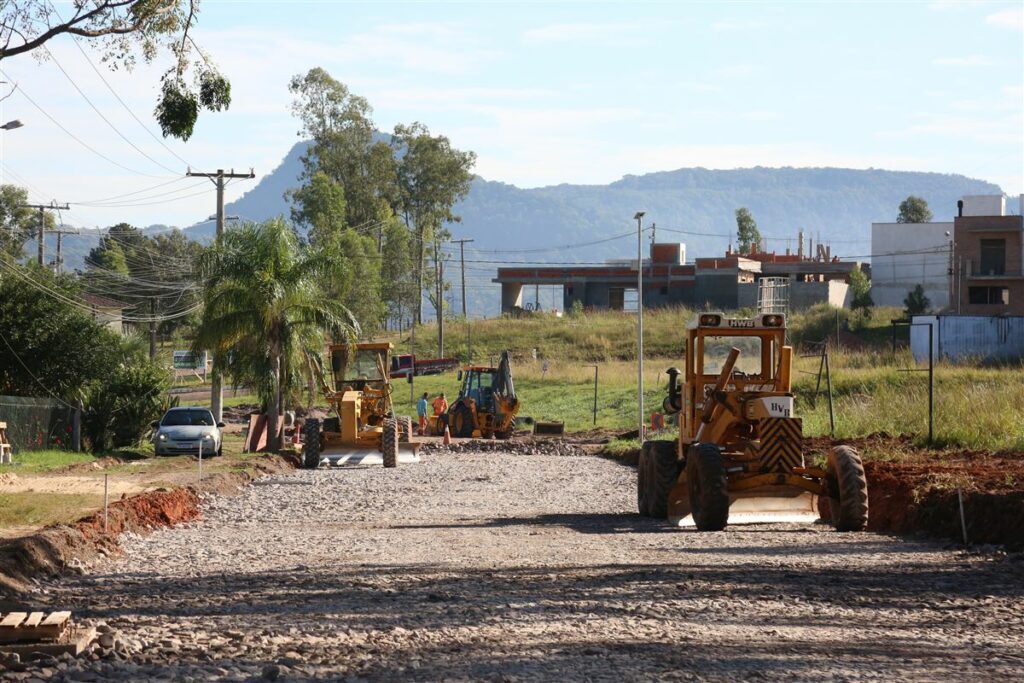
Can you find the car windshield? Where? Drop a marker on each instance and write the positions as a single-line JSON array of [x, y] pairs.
[[184, 418], [716, 350], [363, 365]]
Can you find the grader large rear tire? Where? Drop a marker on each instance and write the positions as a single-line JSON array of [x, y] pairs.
[[311, 444], [389, 442], [708, 487], [848, 489], [657, 472]]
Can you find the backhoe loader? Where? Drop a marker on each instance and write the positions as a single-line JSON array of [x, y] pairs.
[[740, 445], [487, 404], [364, 421]]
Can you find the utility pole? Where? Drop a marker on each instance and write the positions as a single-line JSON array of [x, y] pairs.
[[639, 217], [59, 261], [219, 178], [152, 328], [440, 308], [462, 263], [43, 208]]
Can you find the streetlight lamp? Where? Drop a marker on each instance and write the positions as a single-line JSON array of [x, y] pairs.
[[639, 218], [11, 125]]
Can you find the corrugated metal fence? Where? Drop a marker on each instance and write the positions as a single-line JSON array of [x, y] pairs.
[[955, 337]]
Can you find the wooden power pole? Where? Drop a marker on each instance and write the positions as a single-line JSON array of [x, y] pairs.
[[462, 263], [41, 244], [219, 179]]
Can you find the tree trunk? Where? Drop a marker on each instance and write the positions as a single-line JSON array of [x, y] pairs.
[[274, 412], [419, 277]]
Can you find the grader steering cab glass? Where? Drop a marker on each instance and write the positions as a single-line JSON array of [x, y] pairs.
[[716, 350], [364, 365]]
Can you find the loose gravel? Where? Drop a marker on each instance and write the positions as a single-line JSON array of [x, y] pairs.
[[507, 568]]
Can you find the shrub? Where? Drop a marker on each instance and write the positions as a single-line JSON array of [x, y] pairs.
[[916, 302], [119, 410]]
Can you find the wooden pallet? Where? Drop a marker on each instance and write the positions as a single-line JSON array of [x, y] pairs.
[[16, 627], [73, 641]]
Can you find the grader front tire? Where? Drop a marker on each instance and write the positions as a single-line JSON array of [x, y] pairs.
[[708, 487], [848, 489], [657, 471], [389, 442]]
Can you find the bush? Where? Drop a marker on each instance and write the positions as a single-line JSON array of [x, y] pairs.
[[119, 410], [916, 302]]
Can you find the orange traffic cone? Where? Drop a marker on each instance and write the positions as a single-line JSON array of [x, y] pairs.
[[447, 440]]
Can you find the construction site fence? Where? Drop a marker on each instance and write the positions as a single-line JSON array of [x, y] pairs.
[[40, 423]]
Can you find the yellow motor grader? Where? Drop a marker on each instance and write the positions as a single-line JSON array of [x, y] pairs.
[[364, 422], [740, 446]]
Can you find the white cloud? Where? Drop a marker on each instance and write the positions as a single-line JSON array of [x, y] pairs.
[[736, 71], [761, 115], [574, 32], [968, 61], [946, 5], [738, 25], [1004, 130], [1012, 18]]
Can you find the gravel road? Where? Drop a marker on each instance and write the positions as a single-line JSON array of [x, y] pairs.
[[499, 567]]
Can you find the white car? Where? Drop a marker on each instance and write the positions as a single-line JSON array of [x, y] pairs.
[[183, 431]]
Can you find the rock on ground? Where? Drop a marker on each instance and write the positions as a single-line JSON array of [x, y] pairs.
[[525, 567]]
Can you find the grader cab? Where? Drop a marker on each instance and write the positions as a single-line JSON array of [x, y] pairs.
[[740, 446], [364, 422]]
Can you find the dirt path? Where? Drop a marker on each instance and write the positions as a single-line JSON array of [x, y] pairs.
[[494, 567]]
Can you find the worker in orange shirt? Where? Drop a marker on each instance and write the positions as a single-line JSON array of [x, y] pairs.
[[441, 412]]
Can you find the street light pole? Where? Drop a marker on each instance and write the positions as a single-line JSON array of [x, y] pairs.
[[595, 394], [639, 217]]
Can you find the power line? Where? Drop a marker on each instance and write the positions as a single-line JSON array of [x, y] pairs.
[[130, 194], [100, 114], [75, 137], [126, 107]]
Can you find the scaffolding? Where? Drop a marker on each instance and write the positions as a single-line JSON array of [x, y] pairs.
[[773, 295]]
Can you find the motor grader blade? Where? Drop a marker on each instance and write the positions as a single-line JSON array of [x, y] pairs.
[[353, 457], [766, 505]]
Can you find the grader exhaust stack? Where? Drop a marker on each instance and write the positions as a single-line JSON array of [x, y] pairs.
[[739, 457]]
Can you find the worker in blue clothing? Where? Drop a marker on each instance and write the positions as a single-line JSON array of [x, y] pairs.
[[421, 411]]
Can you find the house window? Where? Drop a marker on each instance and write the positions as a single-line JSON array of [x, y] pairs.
[[993, 257], [988, 295]]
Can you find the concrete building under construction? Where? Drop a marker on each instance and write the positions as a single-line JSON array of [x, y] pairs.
[[790, 281]]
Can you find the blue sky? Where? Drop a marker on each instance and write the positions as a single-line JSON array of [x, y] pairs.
[[549, 93]]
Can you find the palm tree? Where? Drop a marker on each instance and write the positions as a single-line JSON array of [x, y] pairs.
[[264, 297]]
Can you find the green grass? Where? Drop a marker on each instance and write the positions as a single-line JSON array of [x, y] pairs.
[[44, 461], [607, 336], [39, 509], [975, 407]]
